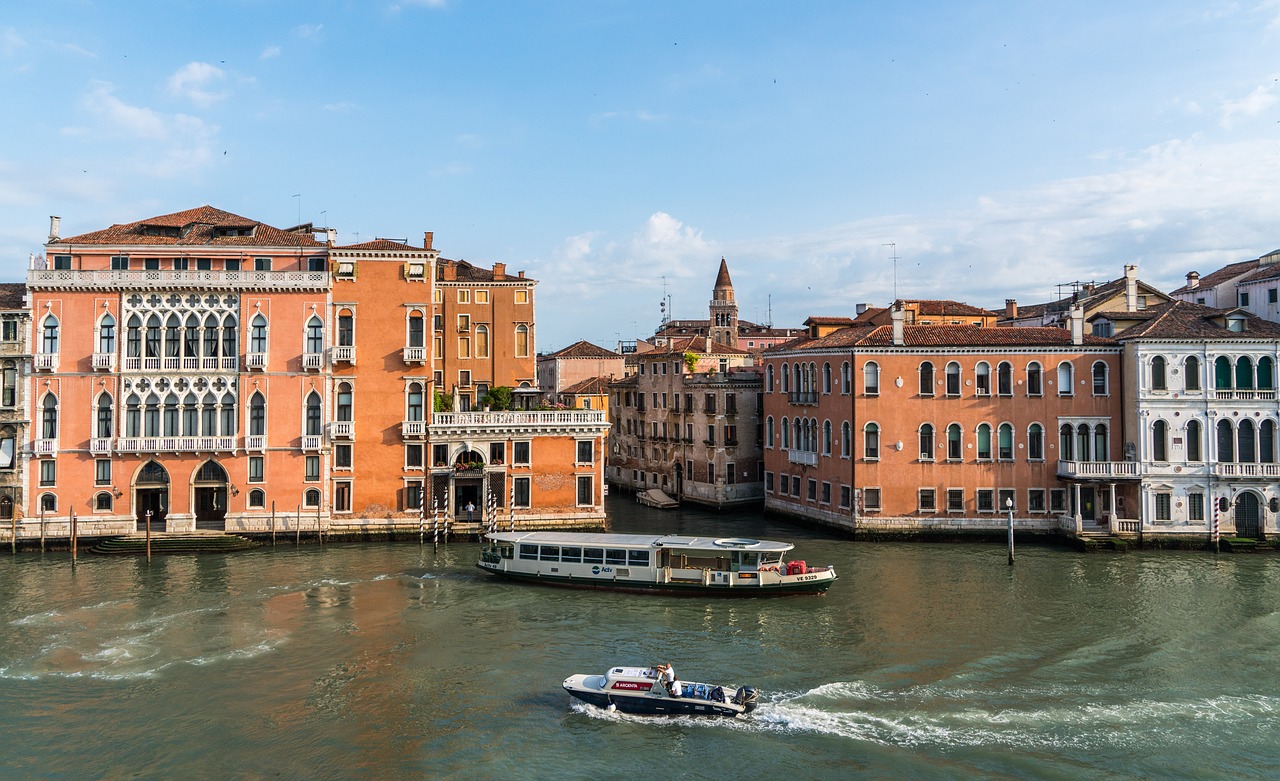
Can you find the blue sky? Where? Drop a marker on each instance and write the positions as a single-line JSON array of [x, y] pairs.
[[1003, 147]]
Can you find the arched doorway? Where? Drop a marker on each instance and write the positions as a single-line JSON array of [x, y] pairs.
[[211, 496], [1248, 512], [468, 484], [151, 495]]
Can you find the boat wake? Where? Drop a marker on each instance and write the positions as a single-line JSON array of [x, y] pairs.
[[929, 717]]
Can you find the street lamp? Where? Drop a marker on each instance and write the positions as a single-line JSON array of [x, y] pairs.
[[1008, 505]]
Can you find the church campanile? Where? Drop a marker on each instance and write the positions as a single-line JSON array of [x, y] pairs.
[[724, 310]]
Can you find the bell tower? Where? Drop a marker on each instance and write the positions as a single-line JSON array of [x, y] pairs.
[[723, 309]]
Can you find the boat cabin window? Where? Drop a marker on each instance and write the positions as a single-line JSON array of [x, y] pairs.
[[750, 558], [529, 552], [593, 555], [506, 550], [771, 558], [615, 556], [570, 554], [550, 553], [638, 558]]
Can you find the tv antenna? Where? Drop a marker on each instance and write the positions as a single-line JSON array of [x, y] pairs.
[[664, 306], [893, 245], [299, 197]]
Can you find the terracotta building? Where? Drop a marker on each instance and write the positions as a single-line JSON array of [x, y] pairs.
[[15, 410], [207, 370], [570, 366]]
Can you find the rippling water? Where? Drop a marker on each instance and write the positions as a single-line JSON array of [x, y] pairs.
[[371, 661]]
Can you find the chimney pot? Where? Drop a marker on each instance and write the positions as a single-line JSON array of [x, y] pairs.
[[55, 224], [1193, 279], [1010, 308], [898, 317], [427, 237], [499, 270]]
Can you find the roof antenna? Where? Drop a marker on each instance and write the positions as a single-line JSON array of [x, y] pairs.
[[769, 321], [664, 306], [299, 197], [894, 257]]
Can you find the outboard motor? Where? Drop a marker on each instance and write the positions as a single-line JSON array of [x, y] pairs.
[[747, 697]]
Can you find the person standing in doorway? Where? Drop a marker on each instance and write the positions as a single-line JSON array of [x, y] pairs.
[[470, 509]]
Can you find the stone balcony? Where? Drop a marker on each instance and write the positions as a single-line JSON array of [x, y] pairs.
[[342, 429], [802, 457], [176, 444], [1235, 471], [344, 354], [1099, 470], [587, 422], [155, 279], [104, 362]]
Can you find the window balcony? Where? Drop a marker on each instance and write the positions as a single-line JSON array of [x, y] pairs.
[[100, 446], [342, 429], [1247, 471], [255, 444], [1245, 395], [104, 362], [413, 429], [312, 361], [802, 397], [45, 362], [45, 447], [1100, 470], [255, 361], [311, 441], [344, 354], [415, 355], [802, 457], [176, 444]]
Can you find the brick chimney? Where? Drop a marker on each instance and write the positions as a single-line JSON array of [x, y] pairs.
[[427, 237], [449, 272], [1010, 308], [1193, 279], [499, 270], [899, 317]]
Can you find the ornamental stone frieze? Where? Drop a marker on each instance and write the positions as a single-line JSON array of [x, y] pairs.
[[161, 280]]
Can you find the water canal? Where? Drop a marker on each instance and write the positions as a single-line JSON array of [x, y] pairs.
[[394, 660]]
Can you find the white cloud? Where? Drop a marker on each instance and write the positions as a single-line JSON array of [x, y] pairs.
[[10, 42], [308, 30], [73, 49], [175, 143], [1257, 101], [269, 52], [195, 80], [341, 107]]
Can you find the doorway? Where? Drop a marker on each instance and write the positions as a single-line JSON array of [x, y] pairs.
[[211, 497], [1247, 516], [151, 496]]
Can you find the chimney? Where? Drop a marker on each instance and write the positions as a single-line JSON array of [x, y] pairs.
[[1010, 308], [55, 223], [860, 308], [1131, 288], [1193, 279], [499, 271], [521, 274], [899, 331], [331, 236], [449, 272], [1077, 325], [427, 236]]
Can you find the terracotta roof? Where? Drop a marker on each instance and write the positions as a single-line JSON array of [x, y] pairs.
[[384, 245], [1224, 274], [828, 321], [471, 273], [592, 386], [13, 295], [1085, 298], [943, 336], [583, 349], [1265, 272], [870, 314], [197, 227], [695, 344], [947, 308], [1184, 320], [722, 278]]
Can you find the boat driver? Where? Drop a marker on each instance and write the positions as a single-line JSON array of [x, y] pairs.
[[669, 679]]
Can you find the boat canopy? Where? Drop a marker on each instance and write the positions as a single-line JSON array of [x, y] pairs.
[[644, 541]]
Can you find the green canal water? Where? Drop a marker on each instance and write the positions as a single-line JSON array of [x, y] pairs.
[[399, 661]]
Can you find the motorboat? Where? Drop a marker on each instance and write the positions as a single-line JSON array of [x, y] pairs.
[[663, 564], [641, 690]]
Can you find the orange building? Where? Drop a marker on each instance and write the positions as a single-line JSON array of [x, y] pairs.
[[207, 370]]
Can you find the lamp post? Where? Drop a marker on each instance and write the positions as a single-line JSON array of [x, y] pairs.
[[1008, 505]]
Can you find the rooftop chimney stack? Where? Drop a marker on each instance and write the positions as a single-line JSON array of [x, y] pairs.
[[860, 308], [1011, 309], [1131, 288], [331, 236], [1193, 279], [427, 237], [55, 224], [1077, 325], [499, 271], [899, 318]]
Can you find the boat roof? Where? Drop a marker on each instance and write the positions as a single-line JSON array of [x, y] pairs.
[[643, 541]]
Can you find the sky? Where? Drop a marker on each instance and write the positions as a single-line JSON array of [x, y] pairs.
[[616, 150]]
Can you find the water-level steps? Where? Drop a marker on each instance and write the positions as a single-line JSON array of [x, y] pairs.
[[169, 542]]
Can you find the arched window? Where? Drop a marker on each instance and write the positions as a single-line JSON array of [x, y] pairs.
[[845, 379], [210, 349], [1100, 449], [1267, 441], [826, 378], [230, 337], [1066, 443], [1266, 374], [1159, 374], [871, 378], [797, 380], [311, 498], [1159, 441], [1083, 449], [417, 329], [826, 437], [344, 401], [172, 337], [955, 447], [1066, 379], [786, 434], [313, 414], [984, 442], [982, 379], [1004, 379], [1222, 373], [133, 338], [49, 335], [133, 416], [1006, 442], [414, 409], [190, 416], [107, 334], [347, 329], [1194, 448], [9, 384], [953, 379], [1226, 442], [1191, 373], [171, 414], [209, 416], [926, 442], [257, 498], [871, 442], [768, 431], [522, 341], [315, 335], [1099, 378], [153, 336], [6, 507], [191, 340], [257, 415], [926, 378], [1247, 447], [482, 341], [49, 417], [102, 501], [1244, 373], [48, 503], [846, 434], [1035, 379], [258, 334], [797, 435], [227, 414], [105, 419], [784, 374], [768, 378], [1035, 442]]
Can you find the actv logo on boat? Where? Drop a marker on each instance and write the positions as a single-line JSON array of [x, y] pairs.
[[596, 570]]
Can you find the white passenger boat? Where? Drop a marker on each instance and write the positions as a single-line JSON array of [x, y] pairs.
[[640, 690], [664, 564]]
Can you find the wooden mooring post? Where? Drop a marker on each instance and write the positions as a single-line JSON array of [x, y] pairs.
[[297, 527], [148, 535], [74, 541], [273, 523]]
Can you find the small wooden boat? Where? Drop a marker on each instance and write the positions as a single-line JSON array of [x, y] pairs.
[[656, 498], [641, 690], [663, 564]]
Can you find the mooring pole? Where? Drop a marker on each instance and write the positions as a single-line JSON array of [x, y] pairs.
[[42, 530], [13, 534], [148, 535], [1008, 503], [297, 527], [319, 531], [73, 537], [422, 516], [273, 523]]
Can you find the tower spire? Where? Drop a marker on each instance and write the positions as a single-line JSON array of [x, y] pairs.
[[723, 309]]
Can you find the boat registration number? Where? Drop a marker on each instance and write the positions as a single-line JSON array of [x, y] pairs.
[[632, 685], [806, 577]]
